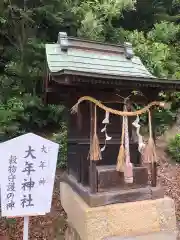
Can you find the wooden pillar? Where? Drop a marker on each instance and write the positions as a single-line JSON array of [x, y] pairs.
[[92, 167], [45, 85]]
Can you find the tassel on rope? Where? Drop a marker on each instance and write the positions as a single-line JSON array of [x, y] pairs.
[[149, 155], [95, 151], [121, 155], [128, 169]]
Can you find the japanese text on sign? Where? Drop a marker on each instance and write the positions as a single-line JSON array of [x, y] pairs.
[[28, 173]]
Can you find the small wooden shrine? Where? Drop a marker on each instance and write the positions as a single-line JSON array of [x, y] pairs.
[[103, 84]]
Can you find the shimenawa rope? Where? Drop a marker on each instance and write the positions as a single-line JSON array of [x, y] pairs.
[[114, 111]]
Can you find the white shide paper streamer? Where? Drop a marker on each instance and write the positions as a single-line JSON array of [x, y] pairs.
[[107, 138], [136, 124]]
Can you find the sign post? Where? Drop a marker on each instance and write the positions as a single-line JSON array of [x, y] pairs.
[[26, 228], [27, 177]]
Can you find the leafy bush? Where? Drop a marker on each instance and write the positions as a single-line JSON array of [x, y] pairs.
[[29, 114], [24, 114], [163, 119], [61, 139], [174, 148], [164, 32]]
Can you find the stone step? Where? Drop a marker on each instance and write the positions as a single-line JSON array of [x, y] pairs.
[[109, 178]]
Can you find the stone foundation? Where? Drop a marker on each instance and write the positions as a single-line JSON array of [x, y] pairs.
[[121, 194], [71, 234], [121, 219]]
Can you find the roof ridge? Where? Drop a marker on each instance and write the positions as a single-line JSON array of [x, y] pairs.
[[80, 54]]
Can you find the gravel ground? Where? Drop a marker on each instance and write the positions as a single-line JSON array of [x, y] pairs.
[[169, 178]]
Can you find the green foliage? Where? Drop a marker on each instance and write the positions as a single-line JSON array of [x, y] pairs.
[[157, 49], [164, 32], [27, 113], [174, 148], [163, 119], [61, 139], [95, 17], [25, 27], [24, 31], [10, 222]]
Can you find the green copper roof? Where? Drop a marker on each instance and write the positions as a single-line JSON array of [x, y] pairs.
[[91, 57]]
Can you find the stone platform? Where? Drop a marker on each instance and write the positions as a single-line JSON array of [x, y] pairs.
[[151, 236], [120, 220], [71, 234], [122, 193]]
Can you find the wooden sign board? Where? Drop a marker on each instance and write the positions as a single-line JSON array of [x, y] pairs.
[[28, 165]]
